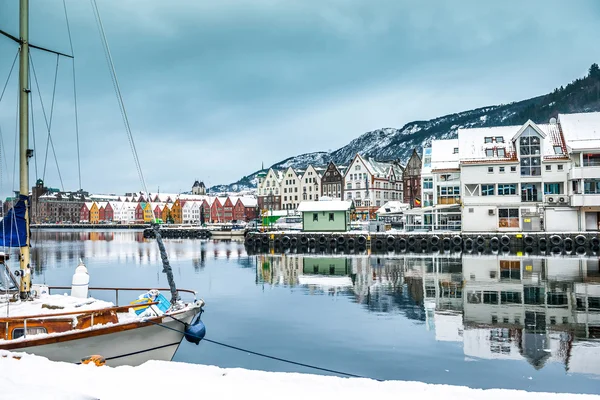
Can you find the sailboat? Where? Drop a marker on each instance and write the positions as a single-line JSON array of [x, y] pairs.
[[74, 327]]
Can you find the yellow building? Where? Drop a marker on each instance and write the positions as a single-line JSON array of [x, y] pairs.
[[94, 213], [176, 212], [166, 213], [148, 212]]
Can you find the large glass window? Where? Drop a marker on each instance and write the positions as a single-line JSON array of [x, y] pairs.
[[591, 160], [530, 149], [488, 190], [508, 218], [507, 189], [428, 183], [553, 188], [591, 186]]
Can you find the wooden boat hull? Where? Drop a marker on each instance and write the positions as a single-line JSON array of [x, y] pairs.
[[121, 344]]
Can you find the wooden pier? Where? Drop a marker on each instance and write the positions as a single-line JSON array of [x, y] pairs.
[[574, 243]]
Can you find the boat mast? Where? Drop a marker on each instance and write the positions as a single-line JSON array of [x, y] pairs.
[[24, 152]]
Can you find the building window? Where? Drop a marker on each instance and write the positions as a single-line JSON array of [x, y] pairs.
[[499, 139], [488, 139], [548, 167], [591, 186], [508, 217], [530, 150], [501, 152], [331, 216], [553, 188], [557, 150], [513, 169], [507, 189], [487, 190], [489, 152], [455, 150], [501, 169], [315, 217], [491, 170], [559, 167], [591, 160]]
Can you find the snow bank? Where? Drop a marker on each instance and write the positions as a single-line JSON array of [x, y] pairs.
[[34, 377]]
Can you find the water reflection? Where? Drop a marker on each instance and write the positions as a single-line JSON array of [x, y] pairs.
[[542, 310], [413, 317]]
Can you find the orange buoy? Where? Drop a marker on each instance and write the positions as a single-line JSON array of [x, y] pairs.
[[95, 359]]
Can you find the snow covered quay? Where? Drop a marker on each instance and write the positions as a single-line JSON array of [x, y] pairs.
[[33, 377]]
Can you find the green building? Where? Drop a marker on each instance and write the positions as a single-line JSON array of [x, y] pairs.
[[326, 215]]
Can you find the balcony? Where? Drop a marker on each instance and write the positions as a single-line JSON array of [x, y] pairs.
[[448, 200], [584, 172], [585, 200]]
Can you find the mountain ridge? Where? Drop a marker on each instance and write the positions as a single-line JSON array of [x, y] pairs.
[[581, 95]]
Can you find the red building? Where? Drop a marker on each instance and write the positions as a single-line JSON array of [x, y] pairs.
[[245, 209], [216, 210], [101, 213], [109, 212], [84, 214]]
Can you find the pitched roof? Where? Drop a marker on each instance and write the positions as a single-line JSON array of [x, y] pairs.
[[581, 131], [331, 205], [472, 146]]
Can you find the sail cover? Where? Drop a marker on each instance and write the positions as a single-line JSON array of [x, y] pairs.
[[13, 228]]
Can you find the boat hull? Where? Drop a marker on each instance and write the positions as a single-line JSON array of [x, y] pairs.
[[132, 345]]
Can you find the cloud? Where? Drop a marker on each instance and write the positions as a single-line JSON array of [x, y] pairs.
[[213, 89]]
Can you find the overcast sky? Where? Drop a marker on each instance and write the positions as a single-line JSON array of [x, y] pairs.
[[215, 88]]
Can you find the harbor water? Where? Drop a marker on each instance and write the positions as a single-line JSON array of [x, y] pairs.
[[490, 321]]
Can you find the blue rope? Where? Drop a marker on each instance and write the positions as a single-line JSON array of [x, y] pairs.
[[264, 355]]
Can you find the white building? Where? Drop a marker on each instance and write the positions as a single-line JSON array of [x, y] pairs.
[[270, 190], [291, 189], [440, 188], [581, 133], [190, 212], [310, 184], [370, 184], [513, 175]]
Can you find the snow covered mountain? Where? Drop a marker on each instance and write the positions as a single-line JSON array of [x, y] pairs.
[[582, 95]]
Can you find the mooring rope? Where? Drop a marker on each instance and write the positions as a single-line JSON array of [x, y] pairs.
[[256, 353]]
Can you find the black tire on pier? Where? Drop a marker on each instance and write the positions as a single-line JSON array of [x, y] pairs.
[[505, 240], [361, 240], [434, 240], [580, 240]]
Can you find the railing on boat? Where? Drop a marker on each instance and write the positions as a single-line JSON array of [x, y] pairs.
[[18, 319], [117, 308], [50, 288]]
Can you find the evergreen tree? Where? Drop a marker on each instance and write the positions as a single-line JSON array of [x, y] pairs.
[[594, 71]]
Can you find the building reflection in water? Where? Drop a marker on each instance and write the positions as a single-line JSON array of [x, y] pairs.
[[63, 249], [542, 310]]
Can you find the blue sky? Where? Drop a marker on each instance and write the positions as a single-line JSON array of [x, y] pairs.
[[213, 89]]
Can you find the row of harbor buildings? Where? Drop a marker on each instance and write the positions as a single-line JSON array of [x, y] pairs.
[[530, 177], [53, 206], [367, 183]]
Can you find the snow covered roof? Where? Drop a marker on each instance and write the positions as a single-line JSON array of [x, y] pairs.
[[581, 131], [392, 207], [443, 155], [248, 201], [332, 205], [472, 144]]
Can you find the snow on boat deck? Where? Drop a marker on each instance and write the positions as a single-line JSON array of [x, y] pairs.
[[34, 377]]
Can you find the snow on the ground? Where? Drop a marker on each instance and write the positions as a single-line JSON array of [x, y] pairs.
[[34, 377]]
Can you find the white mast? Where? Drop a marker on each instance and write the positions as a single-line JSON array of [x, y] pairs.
[[24, 152]]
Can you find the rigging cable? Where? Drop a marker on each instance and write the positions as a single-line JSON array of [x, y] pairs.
[[49, 142], [117, 88], [2, 147], [74, 95], [287, 361]]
